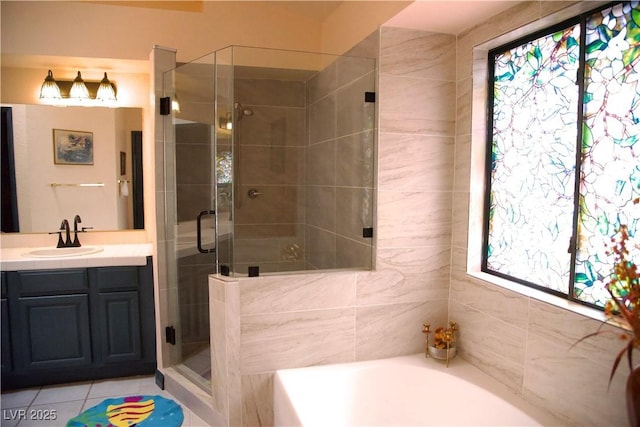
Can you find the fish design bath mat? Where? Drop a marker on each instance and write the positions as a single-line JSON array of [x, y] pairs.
[[139, 411]]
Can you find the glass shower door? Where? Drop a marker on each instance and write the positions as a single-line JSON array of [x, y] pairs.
[[190, 213]]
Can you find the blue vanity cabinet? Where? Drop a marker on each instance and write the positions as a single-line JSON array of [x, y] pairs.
[[118, 313], [5, 357], [49, 319], [79, 324]]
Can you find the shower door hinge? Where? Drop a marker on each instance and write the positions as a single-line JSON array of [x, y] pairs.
[[170, 335], [367, 232], [369, 97], [165, 106]]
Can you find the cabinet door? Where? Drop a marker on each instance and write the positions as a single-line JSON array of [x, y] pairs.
[[53, 332], [119, 326], [6, 340]]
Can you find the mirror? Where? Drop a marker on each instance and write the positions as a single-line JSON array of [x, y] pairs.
[[68, 161]]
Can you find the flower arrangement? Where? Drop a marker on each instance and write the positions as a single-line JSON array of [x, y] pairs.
[[443, 338], [624, 289]]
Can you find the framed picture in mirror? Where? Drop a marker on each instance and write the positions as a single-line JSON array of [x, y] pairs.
[[72, 147]]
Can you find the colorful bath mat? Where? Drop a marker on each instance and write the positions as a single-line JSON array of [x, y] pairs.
[[140, 411]]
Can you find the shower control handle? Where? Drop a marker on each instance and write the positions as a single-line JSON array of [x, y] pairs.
[[253, 193]]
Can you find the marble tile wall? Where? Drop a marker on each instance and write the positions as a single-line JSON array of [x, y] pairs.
[[523, 342], [297, 320]]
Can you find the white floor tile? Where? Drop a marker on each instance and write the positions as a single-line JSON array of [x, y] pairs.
[[18, 398], [196, 421], [117, 387], [11, 417], [62, 393], [52, 414]]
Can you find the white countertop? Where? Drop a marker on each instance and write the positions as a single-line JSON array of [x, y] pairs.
[[13, 259]]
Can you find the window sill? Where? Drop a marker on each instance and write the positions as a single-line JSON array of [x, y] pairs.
[[547, 298]]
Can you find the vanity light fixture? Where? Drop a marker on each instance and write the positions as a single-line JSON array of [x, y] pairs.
[[50, 89], [77, 92], [106, 92]]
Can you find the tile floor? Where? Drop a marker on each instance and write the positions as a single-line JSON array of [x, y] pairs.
[[68, 400]]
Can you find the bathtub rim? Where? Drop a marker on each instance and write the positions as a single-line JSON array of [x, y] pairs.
[[461, 367]]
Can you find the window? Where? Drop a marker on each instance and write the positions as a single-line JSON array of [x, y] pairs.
[[563, 169]]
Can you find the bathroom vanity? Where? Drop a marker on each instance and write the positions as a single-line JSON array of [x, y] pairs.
[[77, 318]]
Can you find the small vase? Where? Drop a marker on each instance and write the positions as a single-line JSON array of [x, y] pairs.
[[633, 397], [442, 353]]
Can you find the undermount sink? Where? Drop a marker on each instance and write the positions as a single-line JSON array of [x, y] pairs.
[[63, 252]]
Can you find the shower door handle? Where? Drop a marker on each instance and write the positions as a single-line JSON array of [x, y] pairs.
[[199, 232]]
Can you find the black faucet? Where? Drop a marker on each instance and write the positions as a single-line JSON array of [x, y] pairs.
[[76, 242], [64, 227]]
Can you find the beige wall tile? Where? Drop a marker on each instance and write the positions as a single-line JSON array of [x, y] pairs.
[[572, 387], [413, 53], [297, 292], [410, 219], [417, 106], [406, 275], [412, 162], [257, 400], [490, 344], [295, 339], [565, 329], [462, 174], [395, 329]]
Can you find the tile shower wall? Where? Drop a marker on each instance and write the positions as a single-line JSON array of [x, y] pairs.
[[339, 165], [268, 323], [271, 161], [524, 343]]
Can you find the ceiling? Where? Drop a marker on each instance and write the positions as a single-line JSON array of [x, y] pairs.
[[445, 16], [450, 17]]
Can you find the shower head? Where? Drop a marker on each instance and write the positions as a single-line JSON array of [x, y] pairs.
[[242, 111]]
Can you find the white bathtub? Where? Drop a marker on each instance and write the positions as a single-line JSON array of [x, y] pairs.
[[401, 391]]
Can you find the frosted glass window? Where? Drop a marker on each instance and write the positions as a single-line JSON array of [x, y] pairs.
[[563, 170]]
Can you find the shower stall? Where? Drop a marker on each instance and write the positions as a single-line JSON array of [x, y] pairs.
[[269, 169]]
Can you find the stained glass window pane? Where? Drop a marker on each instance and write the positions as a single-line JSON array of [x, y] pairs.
[[224, 167], [610, 170], [533, 160]]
